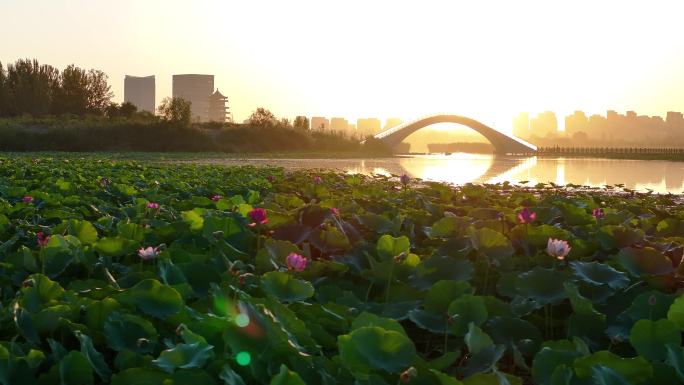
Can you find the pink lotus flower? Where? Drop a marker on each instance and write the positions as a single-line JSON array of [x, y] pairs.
[[152, 205], [148, 253], [404, 179], [270, 178], [317, 179], [104, 182], [335, 211], [27, 199], [216, 198], [527, 216], [42, 239], [258, 215], [598, 213], [558, 248], [296, 262]]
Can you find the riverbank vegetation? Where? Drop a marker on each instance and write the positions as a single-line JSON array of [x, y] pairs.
[[124, 272]]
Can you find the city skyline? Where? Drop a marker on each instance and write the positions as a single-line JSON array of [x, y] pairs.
[[558, 58]]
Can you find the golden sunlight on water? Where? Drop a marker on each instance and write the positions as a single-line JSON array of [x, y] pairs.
[[460, 168]]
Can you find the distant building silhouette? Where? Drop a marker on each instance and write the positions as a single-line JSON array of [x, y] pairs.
[[368, 126], [140, 91], [675, 122], [521, 125], [544, 124], [392, 122], [196, 89], [339, 124], [576, 123], [218, 107], [319, 123]]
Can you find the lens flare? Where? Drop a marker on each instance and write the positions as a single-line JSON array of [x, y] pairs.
[[242, 320], [243, 358]]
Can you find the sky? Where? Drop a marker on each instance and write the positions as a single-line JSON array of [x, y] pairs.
[[484, 59]]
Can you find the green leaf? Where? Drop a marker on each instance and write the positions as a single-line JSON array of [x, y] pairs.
[[389, 247], [466, 309], [491, 243], [675, 358], [542, 285], [286, 288], [442, 293], [442, 267], [539, 235], [127, 331], [497, 378], [374, 348], [369, 319], [580, 304], [114, 247], [634, 370], [184, 356], [603, 375], [448, 226], [153, 298], [230, 377], [515, 333], [599, 273], [676, 312], [74, 369], [41, 291], [377, 223], [647, 260], [94, 357], [194, 218], [286, 377], [649, 338], [140, 376], [554, 354], [476, 340], [83, 230]]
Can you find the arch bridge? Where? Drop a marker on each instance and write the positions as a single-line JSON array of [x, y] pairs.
[[503, 143]]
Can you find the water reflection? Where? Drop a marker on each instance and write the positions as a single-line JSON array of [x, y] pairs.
[[459, 168]]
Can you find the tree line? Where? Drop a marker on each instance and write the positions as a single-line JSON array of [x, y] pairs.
[[28, 87]]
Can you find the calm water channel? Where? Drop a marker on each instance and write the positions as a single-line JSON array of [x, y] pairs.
[[459, 168]]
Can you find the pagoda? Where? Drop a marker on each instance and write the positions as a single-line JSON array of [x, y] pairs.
[[218, 107]]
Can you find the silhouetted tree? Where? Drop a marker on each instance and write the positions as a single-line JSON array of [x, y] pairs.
[[98, 92], [175, 110], [30, 87], [3, 92], [72, 95], [127, 109], [301, 123], [262, 118]]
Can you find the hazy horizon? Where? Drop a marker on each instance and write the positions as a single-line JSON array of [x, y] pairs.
[[488, 60]]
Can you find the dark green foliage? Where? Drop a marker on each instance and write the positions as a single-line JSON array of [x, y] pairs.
[[398, 287]]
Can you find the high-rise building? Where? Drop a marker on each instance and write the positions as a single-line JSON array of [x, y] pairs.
[[319, 123], [544, 124], [339, 124], [577, 122], [139, 91], [218, 108], [197, 90]]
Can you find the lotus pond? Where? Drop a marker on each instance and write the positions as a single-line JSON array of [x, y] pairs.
[[128, 272]]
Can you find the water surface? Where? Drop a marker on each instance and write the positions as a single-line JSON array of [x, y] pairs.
[[459, 168]]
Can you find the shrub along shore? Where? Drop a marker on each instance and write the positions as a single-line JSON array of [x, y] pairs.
[[118, 271]]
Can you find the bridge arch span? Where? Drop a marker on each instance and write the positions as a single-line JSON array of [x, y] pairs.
[[503, 143]]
